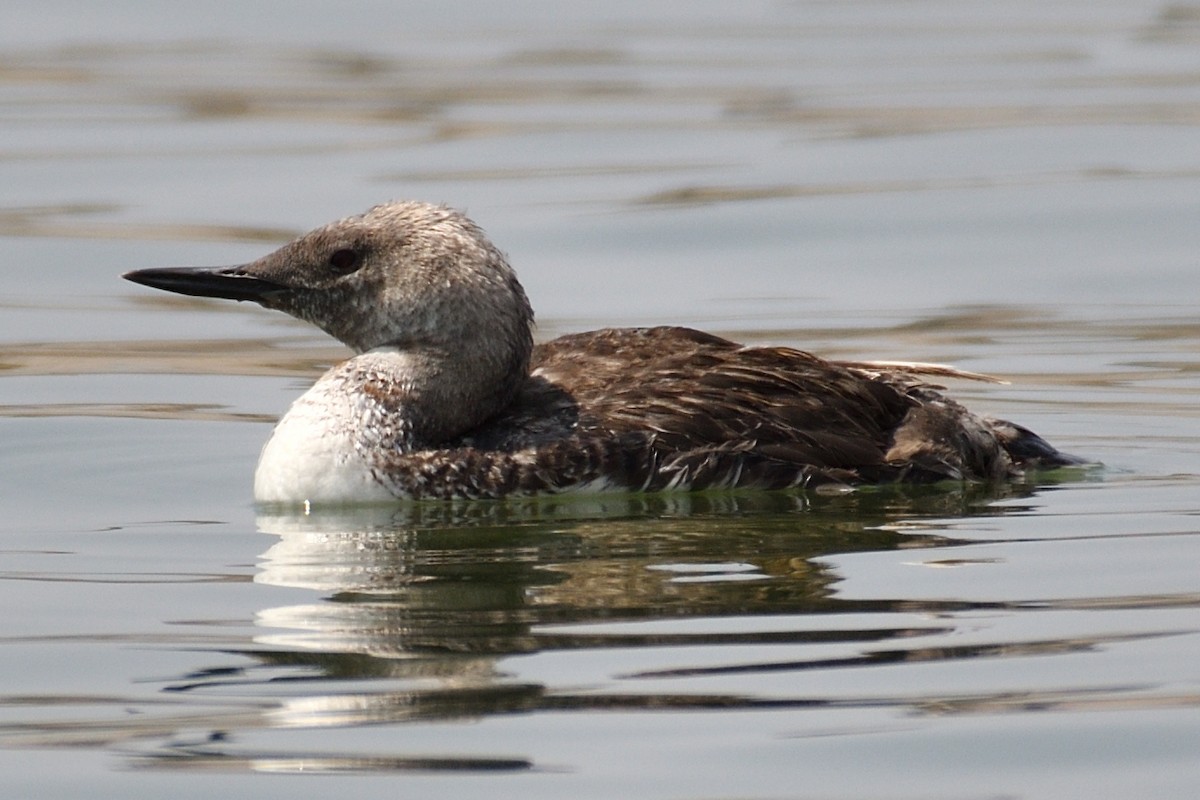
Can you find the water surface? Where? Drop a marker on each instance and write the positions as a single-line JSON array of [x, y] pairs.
[[1011, 189]]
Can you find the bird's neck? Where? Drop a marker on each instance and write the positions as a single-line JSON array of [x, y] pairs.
[[421, 398]]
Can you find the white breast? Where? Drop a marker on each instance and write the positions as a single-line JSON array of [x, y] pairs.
[[313, 453]]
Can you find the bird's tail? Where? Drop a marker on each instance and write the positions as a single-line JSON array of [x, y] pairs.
[[1027, 449]]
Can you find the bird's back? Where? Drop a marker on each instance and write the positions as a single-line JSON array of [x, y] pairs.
[[668, 407]]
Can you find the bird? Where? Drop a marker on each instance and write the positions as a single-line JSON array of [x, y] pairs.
[[446, 395]]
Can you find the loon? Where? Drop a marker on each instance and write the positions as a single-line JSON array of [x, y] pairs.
[[448, 397]]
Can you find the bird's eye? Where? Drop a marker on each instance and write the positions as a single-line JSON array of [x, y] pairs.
[[345, 261]]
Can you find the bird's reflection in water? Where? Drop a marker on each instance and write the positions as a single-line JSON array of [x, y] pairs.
[[469, 611], [435, 596]]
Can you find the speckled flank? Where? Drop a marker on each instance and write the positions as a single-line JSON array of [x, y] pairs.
[[447, 397]]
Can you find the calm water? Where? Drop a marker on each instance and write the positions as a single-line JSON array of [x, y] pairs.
[[1013, 188]]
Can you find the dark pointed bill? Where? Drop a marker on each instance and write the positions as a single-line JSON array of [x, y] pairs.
[[229, 283]]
